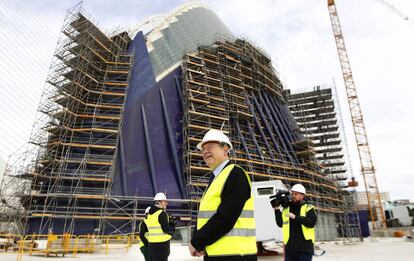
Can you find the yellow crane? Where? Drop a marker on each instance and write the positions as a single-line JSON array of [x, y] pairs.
[[367, 167]]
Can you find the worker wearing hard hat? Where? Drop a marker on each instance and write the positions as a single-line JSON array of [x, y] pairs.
[[297, 221], [143, 243], [158, 229], [225, 229]]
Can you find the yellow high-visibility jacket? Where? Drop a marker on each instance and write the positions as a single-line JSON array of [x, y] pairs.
[[241, 239], [155, 233], [308, 232]]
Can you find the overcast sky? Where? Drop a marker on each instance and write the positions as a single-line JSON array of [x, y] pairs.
[[296, 33]]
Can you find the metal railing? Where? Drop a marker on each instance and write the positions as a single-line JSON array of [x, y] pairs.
[[68, 244]]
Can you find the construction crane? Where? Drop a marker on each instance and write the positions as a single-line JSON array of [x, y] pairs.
[[392, 8], [367, 167]]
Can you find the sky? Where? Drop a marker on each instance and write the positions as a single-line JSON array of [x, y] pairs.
[[298, 36]]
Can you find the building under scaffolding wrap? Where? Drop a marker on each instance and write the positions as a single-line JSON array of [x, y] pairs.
[[122, 113], [315, 113], [318, 115]]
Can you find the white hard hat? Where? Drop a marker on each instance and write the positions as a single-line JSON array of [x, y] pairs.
[[147, 210], [160, 196], [215, 135], [299, 188]]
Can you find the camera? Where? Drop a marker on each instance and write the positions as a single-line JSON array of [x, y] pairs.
[[173, 220], [281, 198]]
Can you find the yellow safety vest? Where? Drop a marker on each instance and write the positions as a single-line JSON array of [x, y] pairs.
[[241, 239], [155, 233], [308, 232]]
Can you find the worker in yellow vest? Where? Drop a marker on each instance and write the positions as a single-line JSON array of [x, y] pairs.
[[226, 228], [158, 229], [297, 220], [143, 242]]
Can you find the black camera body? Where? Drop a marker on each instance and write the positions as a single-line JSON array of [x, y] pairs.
[[281, 198], [173, 220]]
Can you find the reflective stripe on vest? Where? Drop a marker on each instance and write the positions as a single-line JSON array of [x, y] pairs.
[[241, 239], [308, 232], [155, 233]]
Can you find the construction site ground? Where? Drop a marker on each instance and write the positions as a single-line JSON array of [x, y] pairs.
[[371, 249]]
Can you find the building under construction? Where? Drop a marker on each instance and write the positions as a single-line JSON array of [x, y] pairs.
[[318, 115], [315, 113], [122, 113]]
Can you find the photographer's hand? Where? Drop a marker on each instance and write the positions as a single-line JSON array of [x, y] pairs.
[[278, 208], [291, 215]]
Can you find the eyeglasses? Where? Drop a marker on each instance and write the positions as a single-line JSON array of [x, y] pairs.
[[209, 146]]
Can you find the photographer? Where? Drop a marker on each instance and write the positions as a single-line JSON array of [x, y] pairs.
[[297, 220]]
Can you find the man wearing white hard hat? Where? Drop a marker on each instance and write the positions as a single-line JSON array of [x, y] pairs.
[[158, 229], [143, 242], [225, 229], [297, 221]]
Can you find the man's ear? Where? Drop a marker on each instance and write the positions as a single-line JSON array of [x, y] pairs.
[[226, 149]]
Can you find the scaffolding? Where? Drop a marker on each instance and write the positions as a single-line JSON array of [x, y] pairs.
[[68, 175], [232, 86], [63, 179], [319, 119]]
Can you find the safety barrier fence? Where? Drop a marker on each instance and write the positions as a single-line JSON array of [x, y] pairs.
[[8, 242], [66, 244]]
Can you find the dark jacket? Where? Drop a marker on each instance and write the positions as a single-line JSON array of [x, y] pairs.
[[236, 192], [158, 251], [144, 248], [141, 236], [297, 241]]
